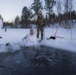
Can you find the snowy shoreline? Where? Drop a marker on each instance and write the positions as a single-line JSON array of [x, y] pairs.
[[17, 47], [15, 36]]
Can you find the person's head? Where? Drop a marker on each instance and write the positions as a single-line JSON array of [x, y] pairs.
[[31, 32], [40, 16]]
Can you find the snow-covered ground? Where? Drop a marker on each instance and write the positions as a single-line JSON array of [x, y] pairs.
[[65, 42], [15, 38]]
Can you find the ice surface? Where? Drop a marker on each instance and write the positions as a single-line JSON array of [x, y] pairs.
[[15, 38]]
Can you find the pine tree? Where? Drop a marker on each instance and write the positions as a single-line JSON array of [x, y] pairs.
[[59, 9], [16, 21], [37, 7], [1, 17], [67, 9], [26, 16], [49, 6]]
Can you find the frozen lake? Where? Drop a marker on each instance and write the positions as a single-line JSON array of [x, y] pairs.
[[15, 38], [38, 61]]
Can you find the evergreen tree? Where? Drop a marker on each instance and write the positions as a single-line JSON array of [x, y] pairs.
[[37, 7], [16, 21], [1, 17], [67, 9], [49, 6], [26, 16], [59, 9]]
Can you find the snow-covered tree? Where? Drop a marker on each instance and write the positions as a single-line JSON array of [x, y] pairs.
[[59, 9], [67, 9], [70, 9], [1, 17], [26, 15], [1, 22], [16, 21], [49, 5], [37, 6]]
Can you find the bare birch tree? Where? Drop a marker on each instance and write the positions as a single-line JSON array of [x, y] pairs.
[[58, 6]]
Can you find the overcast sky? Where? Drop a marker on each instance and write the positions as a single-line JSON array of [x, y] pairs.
[[9, 9]]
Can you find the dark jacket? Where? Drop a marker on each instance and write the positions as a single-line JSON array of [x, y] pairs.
[[40, 22]]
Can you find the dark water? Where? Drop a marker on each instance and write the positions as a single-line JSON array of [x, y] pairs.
[[38, 61]]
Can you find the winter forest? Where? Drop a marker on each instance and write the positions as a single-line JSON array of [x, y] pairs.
[[53, 11], [38, 37]]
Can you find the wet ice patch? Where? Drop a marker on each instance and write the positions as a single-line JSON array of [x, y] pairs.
[[9, 47]]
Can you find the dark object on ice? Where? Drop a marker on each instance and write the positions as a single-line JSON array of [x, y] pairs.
[[0, 37], [7, 44], [5, 29], [51, 37]]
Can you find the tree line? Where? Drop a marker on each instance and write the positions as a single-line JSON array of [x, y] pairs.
[[56, 11]]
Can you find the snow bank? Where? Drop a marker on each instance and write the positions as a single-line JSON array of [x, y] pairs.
[[15, 39], [30, 41], [62, 44]]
